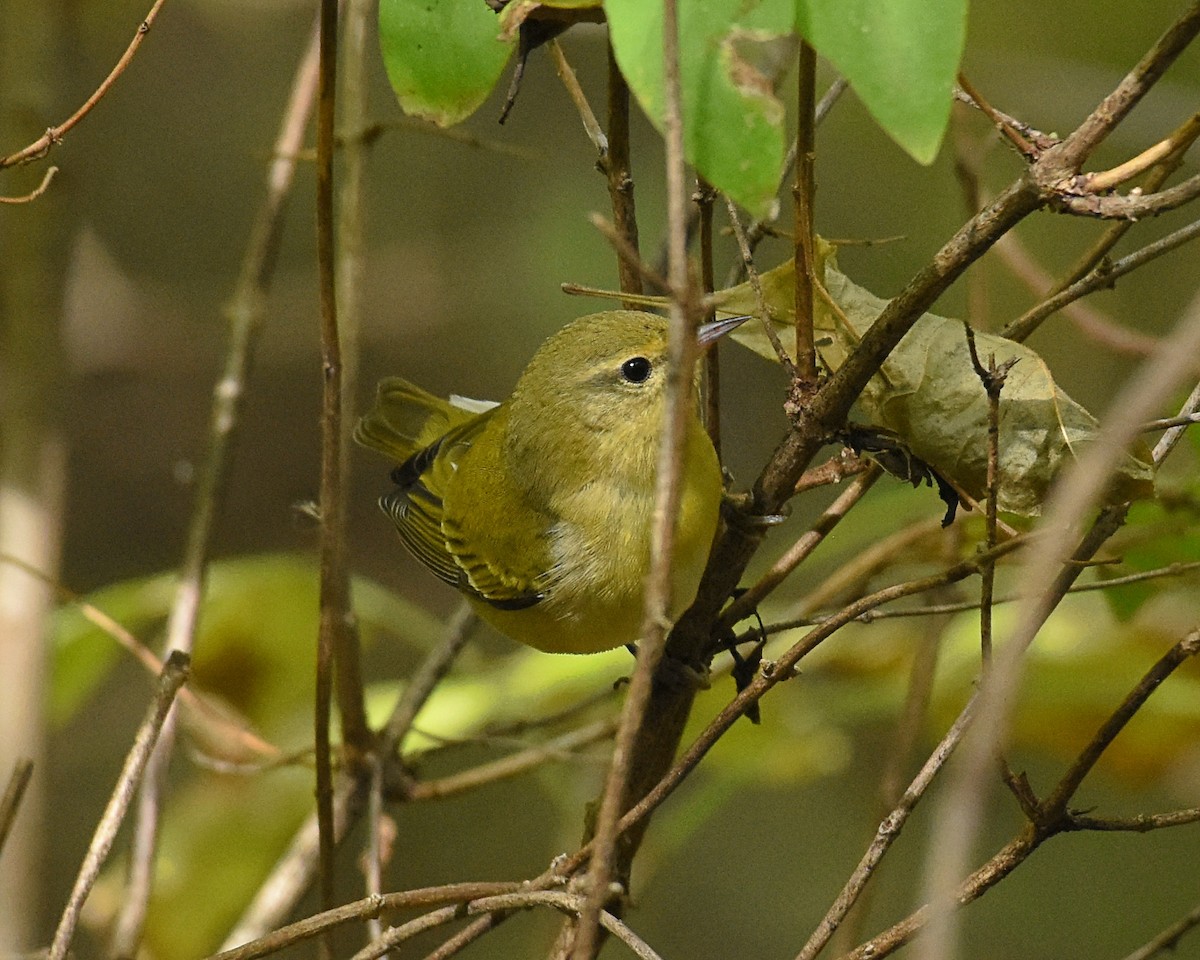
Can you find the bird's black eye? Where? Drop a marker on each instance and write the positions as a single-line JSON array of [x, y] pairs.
[[636, 369]]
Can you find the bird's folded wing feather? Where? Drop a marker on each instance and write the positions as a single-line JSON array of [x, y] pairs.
[[445, 523], [499, 538]]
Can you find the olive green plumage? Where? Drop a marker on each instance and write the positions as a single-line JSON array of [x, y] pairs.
[[539, 509]]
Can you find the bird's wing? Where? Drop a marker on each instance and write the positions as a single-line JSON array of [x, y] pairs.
[[417, 505], [498, 537]]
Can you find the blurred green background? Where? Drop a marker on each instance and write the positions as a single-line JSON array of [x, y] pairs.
[[468, 243]]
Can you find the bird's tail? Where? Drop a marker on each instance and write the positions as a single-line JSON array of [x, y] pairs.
[[405, 419]]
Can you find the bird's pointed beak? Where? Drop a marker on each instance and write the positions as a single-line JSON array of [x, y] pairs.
[[711, 332]]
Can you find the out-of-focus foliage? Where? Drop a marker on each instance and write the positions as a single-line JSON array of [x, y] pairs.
[[253, 640]]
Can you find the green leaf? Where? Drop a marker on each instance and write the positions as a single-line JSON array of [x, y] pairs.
[[443, 57], [901, 57], [929, 394], [732, 121]]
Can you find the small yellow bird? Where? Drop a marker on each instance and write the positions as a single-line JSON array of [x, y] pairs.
[[539, 508]]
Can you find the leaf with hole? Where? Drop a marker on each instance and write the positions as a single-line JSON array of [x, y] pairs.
[[733, 124]]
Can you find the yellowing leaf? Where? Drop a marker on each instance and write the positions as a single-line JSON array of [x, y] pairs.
[[929, 394]]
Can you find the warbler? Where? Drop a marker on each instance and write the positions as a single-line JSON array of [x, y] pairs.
[[539, 508]]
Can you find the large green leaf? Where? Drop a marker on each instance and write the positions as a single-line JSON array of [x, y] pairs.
[[901, 57], [733, 123], [442, 56]]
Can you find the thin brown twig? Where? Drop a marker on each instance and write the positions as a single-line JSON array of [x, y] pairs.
[[1166, 423], [1002, 122], [571, 82], [376, 852], [1075, 494], [1170, 570], [54, 135], [569, 903], [466, 936], [617, 167], [1103, 276], [1169, 440], [765, 226], [36, 191], [889, 829], [246, 314], [764, 312], [854, 575], [704, 197], [1038, 139], [514, 765], [684, 313], [1088, 320], [832, 471], [175, 672], [628, 255], [558, 716], [1134, 206], [18, 782], [1169, 939], [1141, 823], [1055, 804], [371, 132], [358, 910], [333, 593], [803, 190], [428, 675], [992, 378], [799, 551], [1179, 140]]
